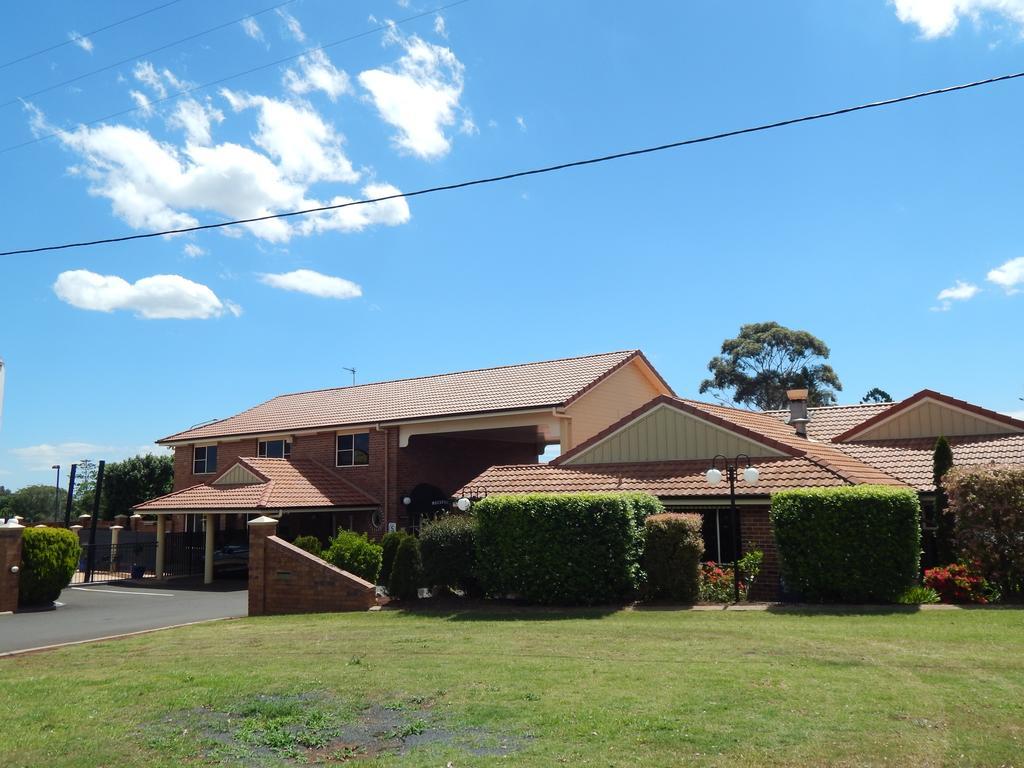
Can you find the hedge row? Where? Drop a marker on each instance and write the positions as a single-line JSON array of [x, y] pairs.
[[856, 544], [562, 548]]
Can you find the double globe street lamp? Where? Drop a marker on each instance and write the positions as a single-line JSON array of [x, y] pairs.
[[750, 477]]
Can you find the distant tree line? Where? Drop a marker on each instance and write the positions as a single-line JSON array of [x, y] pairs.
[[125, 484]]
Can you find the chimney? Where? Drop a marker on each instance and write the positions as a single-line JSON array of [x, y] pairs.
[[798, 416]]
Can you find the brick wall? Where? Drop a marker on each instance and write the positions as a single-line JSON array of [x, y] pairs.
[[10, 556], [286, 579], [756, 528], [227, 453]]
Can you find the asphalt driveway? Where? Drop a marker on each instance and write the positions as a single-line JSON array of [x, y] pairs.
[[95, 611]]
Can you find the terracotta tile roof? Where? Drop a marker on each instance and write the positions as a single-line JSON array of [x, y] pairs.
[[284, 484], [665, 479], [911, 460], [552, 383], [830, 420], [763, 428]]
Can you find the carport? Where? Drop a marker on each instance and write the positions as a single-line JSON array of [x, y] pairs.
[[298, 490]]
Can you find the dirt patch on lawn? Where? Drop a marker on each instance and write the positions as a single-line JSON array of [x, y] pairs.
[[319, 729]]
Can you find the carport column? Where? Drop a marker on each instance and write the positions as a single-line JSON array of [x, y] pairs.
[[161, 545], [10, 564], [260, 530], [208, 550]]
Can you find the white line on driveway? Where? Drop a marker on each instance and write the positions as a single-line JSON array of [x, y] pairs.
[[123, 592]]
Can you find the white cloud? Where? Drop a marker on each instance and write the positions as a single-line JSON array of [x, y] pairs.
[[292, 25], [146, 74], [419, 95], [43, 456], [193, 251], [937, 18], [317, 73], [252, 29], [1010, 276], [194, 119], [81, 41], [307, 148], [158, 297], [959, 291], [142, 102], [314, 283], [521, 123], [354, 218], [439, 26]]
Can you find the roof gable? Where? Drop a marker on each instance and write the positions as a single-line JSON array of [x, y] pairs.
[[668, 429], [239, 474], [929, 414], [552, 383]]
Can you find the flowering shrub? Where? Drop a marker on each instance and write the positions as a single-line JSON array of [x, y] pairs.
[[957, 583], [716, 583]]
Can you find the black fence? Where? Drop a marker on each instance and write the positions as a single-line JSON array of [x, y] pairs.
[[183, 556]]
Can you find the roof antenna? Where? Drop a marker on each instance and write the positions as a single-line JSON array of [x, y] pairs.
[[352, 371]]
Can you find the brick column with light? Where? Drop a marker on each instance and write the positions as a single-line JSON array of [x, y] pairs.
[[10, 564]]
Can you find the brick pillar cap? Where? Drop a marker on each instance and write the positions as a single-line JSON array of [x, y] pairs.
[[39, 526], [76, 527], [11, 523], [117, 527], [263, 520]]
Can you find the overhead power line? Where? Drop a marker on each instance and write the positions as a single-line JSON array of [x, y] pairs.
[[76, 38], [531, 172], [170, 97], [20, 99]]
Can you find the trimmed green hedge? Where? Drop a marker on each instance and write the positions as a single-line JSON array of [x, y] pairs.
[[389, 545], [448, 548], [407, 571], [309, 543], [856, 544], [355, 553], [562, 549], [49, 558], [672, 550]]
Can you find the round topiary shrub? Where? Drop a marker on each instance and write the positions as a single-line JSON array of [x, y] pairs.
[[448, 549], [309, 543], [407, 572], [389, 544], [355, 553], [49, 558], [673, 546]]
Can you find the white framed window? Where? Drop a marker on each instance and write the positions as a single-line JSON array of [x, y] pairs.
[[274, 449], [204, 459], [353, 450]]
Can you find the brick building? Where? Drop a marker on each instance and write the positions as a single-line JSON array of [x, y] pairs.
[[667, 445], [387, 455]]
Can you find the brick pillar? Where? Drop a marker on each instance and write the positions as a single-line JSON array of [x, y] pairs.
[[10, 564], [259, 530]]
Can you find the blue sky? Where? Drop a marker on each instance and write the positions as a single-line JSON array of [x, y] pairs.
[[895, 235]]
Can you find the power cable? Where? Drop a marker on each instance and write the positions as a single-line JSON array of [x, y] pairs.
[[531, 172], [193, 89], [76, 38], [20, 99]]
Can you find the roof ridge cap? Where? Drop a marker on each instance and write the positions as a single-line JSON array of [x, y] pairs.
[[448, 373]]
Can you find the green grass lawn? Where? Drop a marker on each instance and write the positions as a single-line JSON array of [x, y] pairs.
[[531, 688]]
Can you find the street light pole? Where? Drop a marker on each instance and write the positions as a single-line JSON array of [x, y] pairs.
[[750, 476], [56, 494]]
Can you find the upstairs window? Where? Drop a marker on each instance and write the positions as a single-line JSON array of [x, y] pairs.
[[353, 450], [204, 459], [274, 449]]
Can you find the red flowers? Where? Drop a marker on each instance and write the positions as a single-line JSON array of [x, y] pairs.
[[956, 583]]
